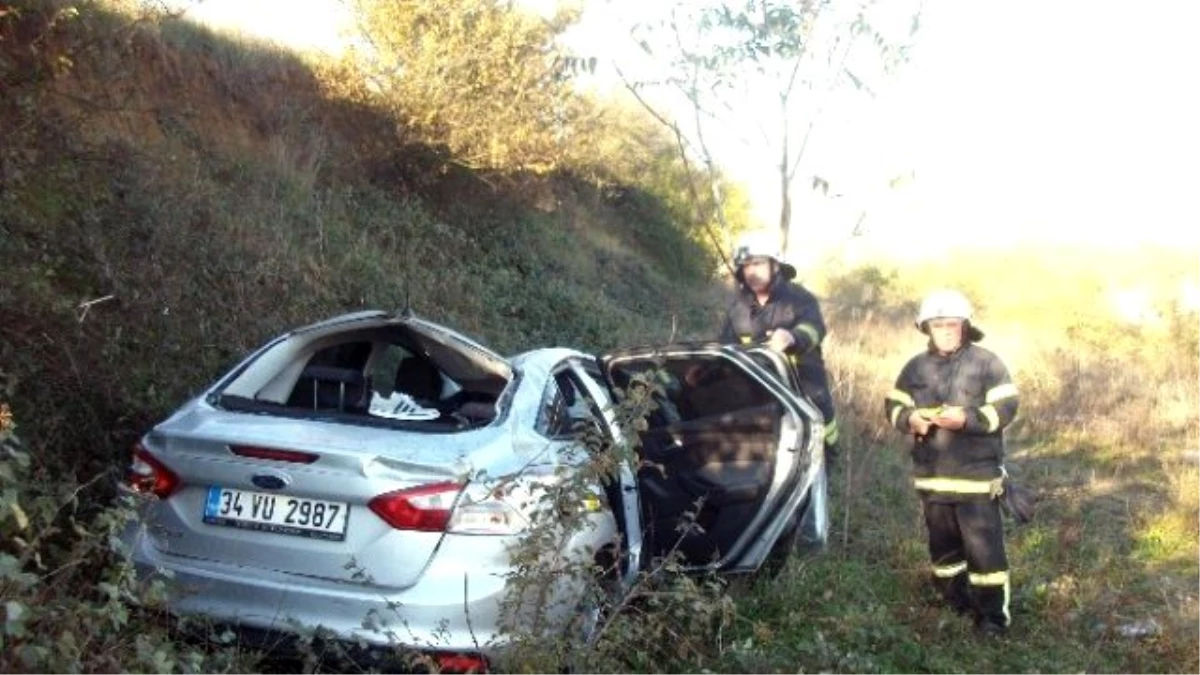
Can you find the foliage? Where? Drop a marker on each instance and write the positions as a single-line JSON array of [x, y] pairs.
[[478, 75], [71, 600], [862, 293], [492, 83], [662, 619]]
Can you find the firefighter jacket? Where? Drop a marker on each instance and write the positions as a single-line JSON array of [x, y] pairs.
[[793, 307], [964, 464]]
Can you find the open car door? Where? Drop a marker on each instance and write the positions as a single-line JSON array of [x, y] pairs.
[[729, 452]]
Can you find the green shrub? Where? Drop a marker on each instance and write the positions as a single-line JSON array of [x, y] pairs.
[[70, 598]]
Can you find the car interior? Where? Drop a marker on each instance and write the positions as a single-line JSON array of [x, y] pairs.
[[333, 379], [378, 376], [708, 455]]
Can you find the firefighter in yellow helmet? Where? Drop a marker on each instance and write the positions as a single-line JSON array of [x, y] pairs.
[[954, 400], [774, 310]]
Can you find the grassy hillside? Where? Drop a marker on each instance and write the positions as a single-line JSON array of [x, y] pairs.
[[207, 194], [170, 197]]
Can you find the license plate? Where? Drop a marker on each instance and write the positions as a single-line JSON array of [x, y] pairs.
[[282, 514]]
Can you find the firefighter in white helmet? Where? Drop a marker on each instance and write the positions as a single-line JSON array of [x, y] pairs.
[[954, 400], [774, 310]]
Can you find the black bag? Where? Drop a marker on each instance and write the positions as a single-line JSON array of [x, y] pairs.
[[1017, 501]]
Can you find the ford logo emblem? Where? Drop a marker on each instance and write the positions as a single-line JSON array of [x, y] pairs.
[[269, 482]]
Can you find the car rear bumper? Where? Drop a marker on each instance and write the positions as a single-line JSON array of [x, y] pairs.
[[451, 608]]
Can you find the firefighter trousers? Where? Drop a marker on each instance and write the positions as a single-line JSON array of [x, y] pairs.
[[966, 547]]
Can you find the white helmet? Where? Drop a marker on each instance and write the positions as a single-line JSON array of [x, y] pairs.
[[757, 244], [946, 304]]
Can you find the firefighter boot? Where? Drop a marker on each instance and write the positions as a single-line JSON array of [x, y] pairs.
[[991, 602]]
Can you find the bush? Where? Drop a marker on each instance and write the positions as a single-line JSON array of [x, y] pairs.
[[71, 600]]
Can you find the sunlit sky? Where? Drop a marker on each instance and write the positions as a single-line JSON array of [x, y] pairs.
[[1021, 120]]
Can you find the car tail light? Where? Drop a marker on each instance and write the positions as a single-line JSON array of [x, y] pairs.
[[432, 508], [460, 663], [425, 508], [274, 454], [486, 516], [147, 475]]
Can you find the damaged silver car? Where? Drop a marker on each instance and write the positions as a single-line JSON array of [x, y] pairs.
[[343, 476]]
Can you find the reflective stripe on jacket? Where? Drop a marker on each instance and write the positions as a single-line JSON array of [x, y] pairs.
[[962, 464]]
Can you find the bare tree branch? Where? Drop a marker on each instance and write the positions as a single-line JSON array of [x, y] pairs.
[[681, 142]]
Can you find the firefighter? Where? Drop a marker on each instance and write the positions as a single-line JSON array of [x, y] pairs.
[[955, 400], [772, 309]]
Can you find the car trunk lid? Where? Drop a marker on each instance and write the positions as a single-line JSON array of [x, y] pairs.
[[294, 495]]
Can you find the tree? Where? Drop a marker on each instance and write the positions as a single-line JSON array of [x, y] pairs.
[[782, 59], [481, 76]]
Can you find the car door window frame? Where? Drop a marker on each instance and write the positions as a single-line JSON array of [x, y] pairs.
[[556, 417]]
